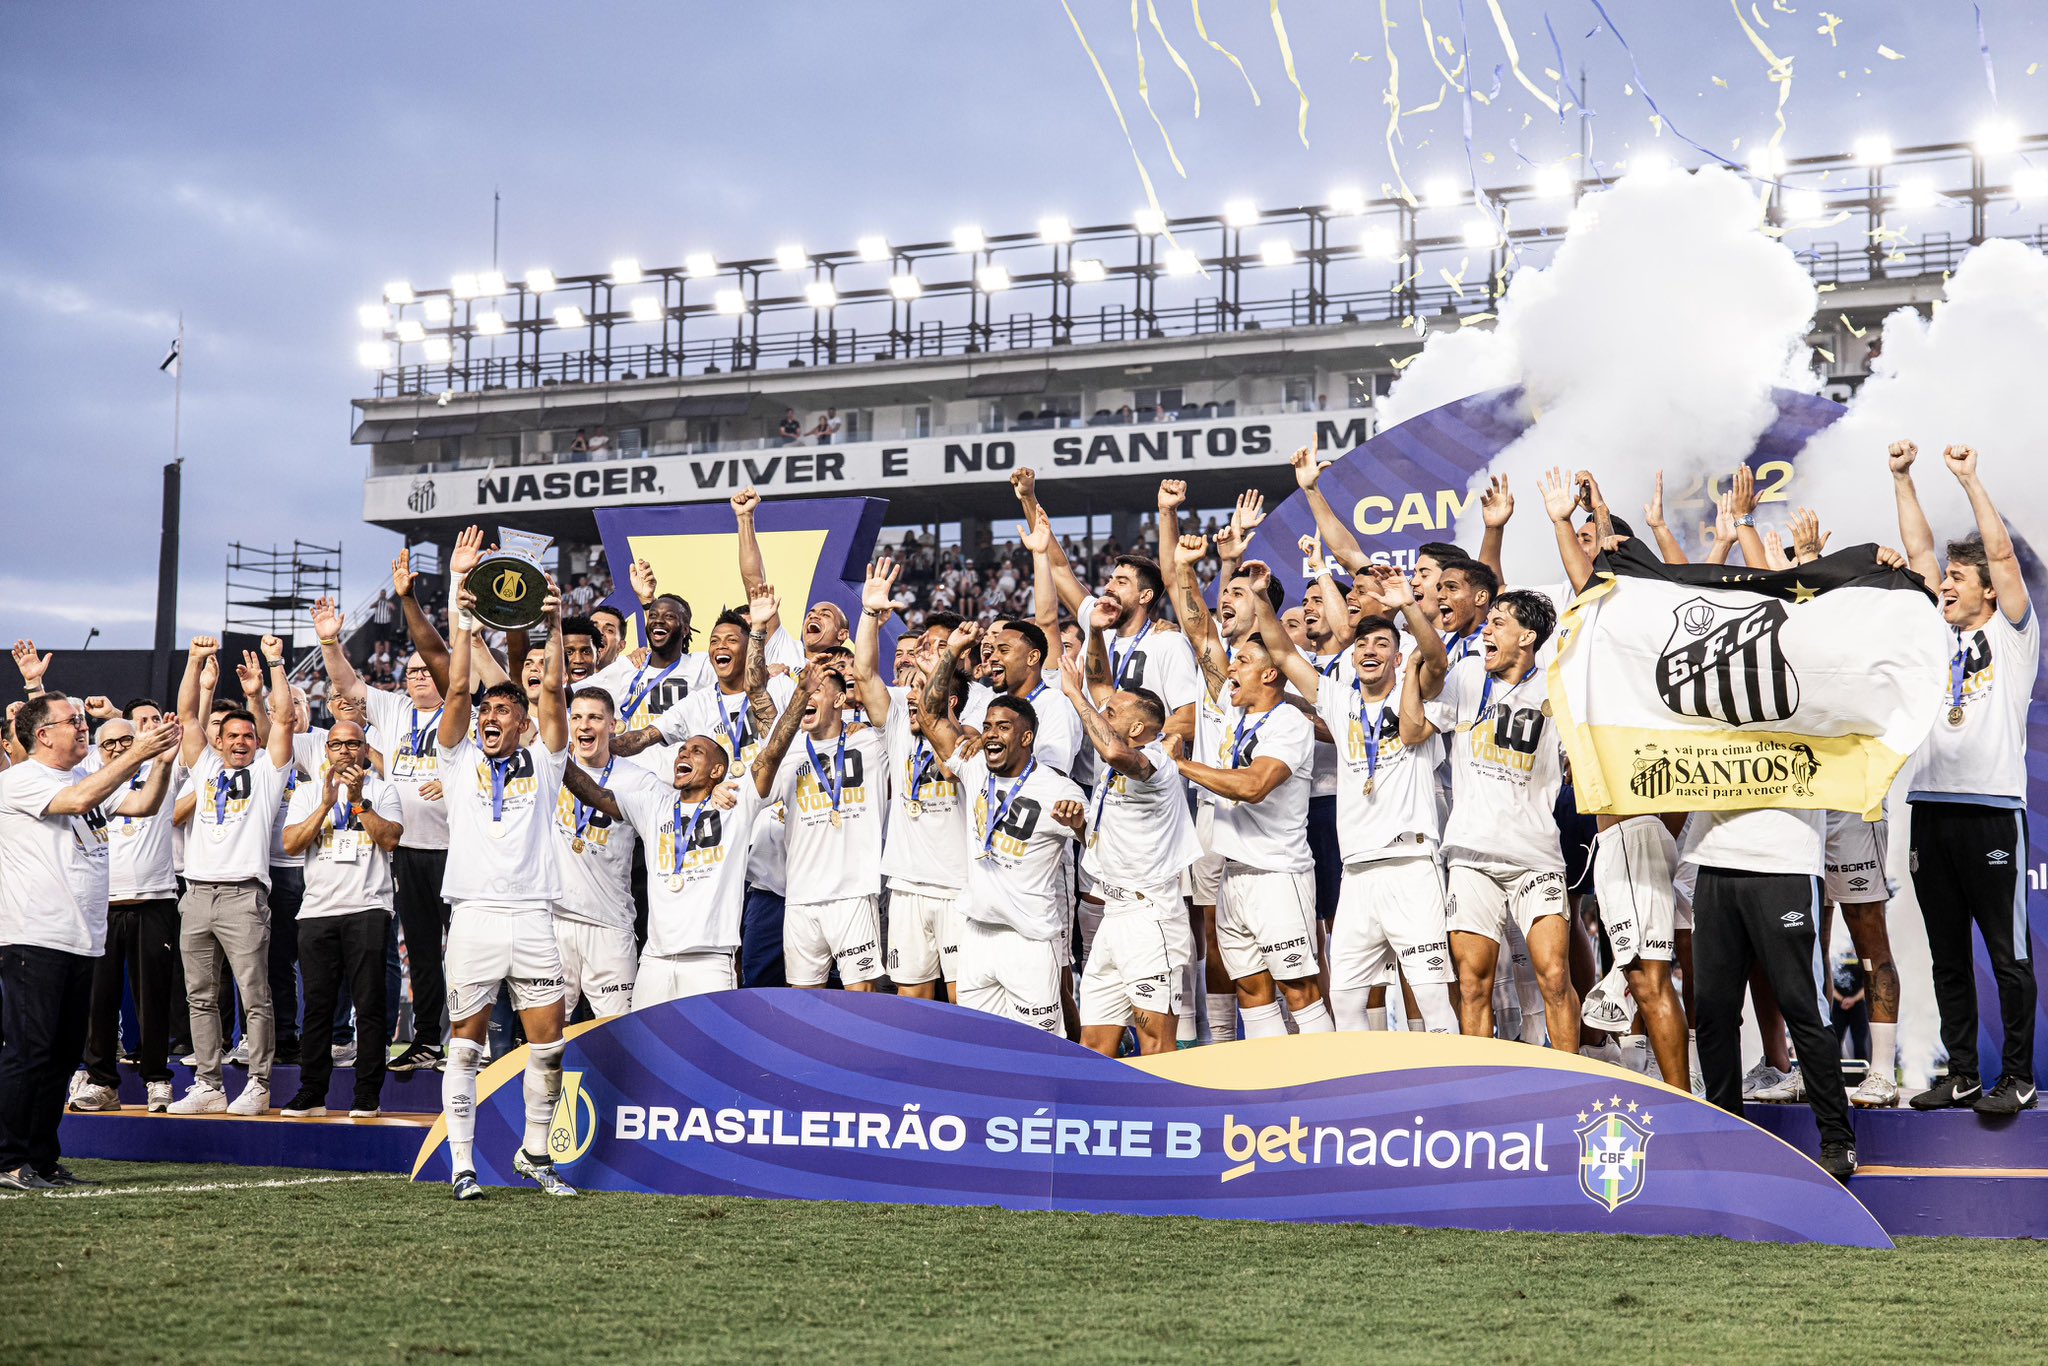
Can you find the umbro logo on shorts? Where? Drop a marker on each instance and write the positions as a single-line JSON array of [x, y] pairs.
[[1145, 988], [865, 963], [1998, 858], [1791, 918], [1859, 883]]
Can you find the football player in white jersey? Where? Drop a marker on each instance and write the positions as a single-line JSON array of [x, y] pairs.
[[1266, 909], [595, 851], [1968, 794], [503, 876], [1023, 814]]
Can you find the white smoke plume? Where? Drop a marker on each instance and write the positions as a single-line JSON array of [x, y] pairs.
[[1651, 342]]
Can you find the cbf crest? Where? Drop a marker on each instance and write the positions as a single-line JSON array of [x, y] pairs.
[[1613, 1153], [1725, 662], [574, 1123]]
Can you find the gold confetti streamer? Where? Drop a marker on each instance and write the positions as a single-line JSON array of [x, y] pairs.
[[1781, 7], [1825, 354], [1718, 81], [1761, 22], [1824, 289], [1151, 195], [1477, 318], [1781, 69], [1429, 108], [1145, 94], [1203, 30], [1456, 282], [2033, 67], [1827, 30], [1430, 39], [1403, 362], [1287, 60], [1507, 42], [1890, 55], [1393, 102], [1152, 13], [1857, 332]]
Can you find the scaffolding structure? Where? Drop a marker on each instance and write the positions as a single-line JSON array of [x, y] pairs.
[[271, 589]]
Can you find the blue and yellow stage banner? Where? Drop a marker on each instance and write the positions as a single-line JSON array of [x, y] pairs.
[[812, 1095]]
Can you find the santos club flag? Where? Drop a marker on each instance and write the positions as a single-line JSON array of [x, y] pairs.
[[1690, 687]]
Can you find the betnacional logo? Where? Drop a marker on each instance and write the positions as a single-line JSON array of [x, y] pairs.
[[1423, 1146], [1613, 1152], [575, 1121]]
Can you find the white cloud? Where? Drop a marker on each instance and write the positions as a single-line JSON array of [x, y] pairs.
[[59, 299], [246, 215]]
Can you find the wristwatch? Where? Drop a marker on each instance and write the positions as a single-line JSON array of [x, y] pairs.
[[1747, 519]]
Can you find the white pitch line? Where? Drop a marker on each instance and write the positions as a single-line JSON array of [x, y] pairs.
[[272, 1184]]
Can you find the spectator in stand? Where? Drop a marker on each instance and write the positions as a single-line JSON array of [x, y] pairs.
[[581, 444], [1125, 415], [600, 440], [827, 430], [788, 431], [383, 612]]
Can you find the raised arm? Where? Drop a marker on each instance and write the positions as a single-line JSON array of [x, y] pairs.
[[148, 799], [342, 679], [553, 721], [769, 761], [753, 569], [1496, 506], [1721, 530], [1072, 592], [1415, 727], [1915, 535], [279, 741], [1116, 751], [1999, 559], [876, 606], [1036, 536], [1653, 517], [1234, 540], [456, 702], [1338, 542], [760, 702], [191, 706], [419, 629], [1560, 500], [1809, 542], [1393, 591], [1252, 783], [1742, 502], [1200, 628], [940, 727], [105, 781]]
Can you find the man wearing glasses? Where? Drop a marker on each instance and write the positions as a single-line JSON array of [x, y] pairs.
[[53, 916], [345, 823]]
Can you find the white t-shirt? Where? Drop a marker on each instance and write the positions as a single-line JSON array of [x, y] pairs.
[[501, 827], [1015, 847], [1140, 835], [1324, 781], [1986, 756], [725, 718], [1768, 839], [1272, 835], [346, 876], [309, 758], [1060, 740], [593, 853], [1162, 662], [823, 861], [140, 846], [232, 822], [405, 736], [926, 850], [703, 914], [643, 694], [53, 869], [1506, 768], [1212, 739], [1400, 817]]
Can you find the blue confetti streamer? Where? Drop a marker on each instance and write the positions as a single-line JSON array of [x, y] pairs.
[[1650, 99], [1984, 51], [1557, 55]]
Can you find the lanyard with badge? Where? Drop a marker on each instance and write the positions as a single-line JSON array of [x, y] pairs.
[[584, 813], [838, 783], [406, 764], [1371, 728], [684, 839], [636, 696], [1118, 665], [1238, 753], [1486, 694], [922, 760], [735, 728], [1957, 671], [501, 772], [998, 814], [347, 844]]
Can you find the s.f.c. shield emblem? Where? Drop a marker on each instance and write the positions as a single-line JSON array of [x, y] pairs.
[[1613, 1159], [1724, 662]]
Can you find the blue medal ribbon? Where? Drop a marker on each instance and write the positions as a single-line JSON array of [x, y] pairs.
[[501, 770], [684, 839], [735, 727], [1956, 671], [1116, 665], [220, 798], [1241, 735], [584, 813], [997, 813], [921, 761], [1329, 670], [636, 696], [1371, 730], [838, 769], [418, 739]]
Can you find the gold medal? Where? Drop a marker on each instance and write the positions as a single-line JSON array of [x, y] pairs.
[[675, 882], [913, 807], [576, 845], [1369, 785], [1955, 716], [837, 820]]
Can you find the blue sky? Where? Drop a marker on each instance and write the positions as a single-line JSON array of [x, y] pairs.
[[264, 169]]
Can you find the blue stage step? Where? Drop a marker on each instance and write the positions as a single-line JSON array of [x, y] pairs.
[[341, 1144], [417, 1093]]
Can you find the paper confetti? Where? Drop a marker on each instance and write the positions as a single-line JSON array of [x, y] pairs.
[[1403, 362], [1854, 330], [1203, 30], [1477, 318], [1151, 194], [1718, 81], [1890, 55], [1145, 94], [1507, 42], [1393, 102], [1287, 60], [1825, 354], [1827, 30], [2032, 67]]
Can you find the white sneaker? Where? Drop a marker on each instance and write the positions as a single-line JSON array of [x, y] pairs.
[[92, 1096], [254, 1100], [344, 1054], [1791, 1088], [159, 1097], [1878, 1092], [239, 1055], [201, 1099], [1758, 1078], [189, 1060], [79, 1081]]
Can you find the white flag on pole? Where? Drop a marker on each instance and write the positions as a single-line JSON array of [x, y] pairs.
[[173, 358]]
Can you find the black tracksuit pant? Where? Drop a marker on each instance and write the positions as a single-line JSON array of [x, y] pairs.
[[423, 918], [142, 946], [1969, 867], [1740, 918]]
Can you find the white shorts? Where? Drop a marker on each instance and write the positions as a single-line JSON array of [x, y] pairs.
[[1003, 973], [1855, 860], [489, 944], [847, 932], [599, 963], [923, 939], [1390, 913], [1266, 922], [1635, 865], [1138, 958], [1683, 884], [1205, 876], [1484, 898], [685, 974]]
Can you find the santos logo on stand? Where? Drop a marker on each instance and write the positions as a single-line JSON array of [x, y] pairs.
[[845, 1096]]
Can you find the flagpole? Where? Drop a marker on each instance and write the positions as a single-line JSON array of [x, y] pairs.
[[162, 649]]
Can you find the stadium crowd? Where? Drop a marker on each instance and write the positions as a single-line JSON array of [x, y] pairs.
[[1139, 799]]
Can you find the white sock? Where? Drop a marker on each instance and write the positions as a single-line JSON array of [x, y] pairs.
[[1222, 1016], [1347, 1005], [1314, 1018], [543, 1086], [1535, 1021], [1884, 1049], [458, 1099], [1184, 1024], [1286, 1015], [1376, 1017], [1635, 1053], [1437, 1015], [1263, 1022]]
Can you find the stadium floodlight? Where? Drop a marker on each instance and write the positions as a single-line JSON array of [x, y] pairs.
[[410, 330], [490, 283], [874, 248], [376, 355], [905, 287], [1649, 164], [464, 286], [1996, 139], [1277, 251], [821, 294], [1481, 234], [374, 315], [1553, 182], [791, 257], [702, 265], [1181, 261], [1055, 229], [490, 324], [1917, 193], [1873, 149], [1089, 272], [626, 271], [647, 309], [1240, 213], [992, 279], [1442, 192], [1767, 162], [437, 351], [731, 302], [969, 238], [568, 315], [1804, 205], [540, 280], [1379, 244], [1149, 221], [437, 308], [1347, 201], [2030, 182], [398, 292]]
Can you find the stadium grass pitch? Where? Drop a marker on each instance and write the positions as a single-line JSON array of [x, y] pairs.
[[204, 1263]]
